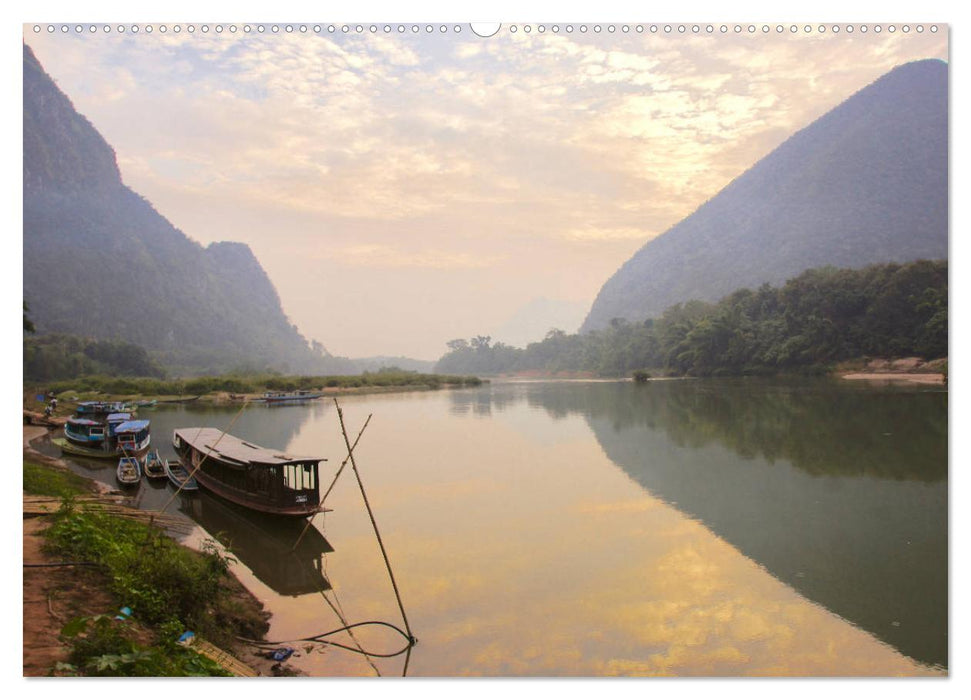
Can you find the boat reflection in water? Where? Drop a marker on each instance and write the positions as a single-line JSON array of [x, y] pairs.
[[264, 543]]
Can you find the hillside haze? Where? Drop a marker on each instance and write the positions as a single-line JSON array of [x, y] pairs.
[[99, 261], [865, 183]]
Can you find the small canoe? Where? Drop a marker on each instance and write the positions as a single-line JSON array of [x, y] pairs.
[[154, 466], [179, 476], [129, 472]]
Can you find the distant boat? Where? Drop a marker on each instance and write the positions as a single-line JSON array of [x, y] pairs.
[[185, 400], [146, 404], [179, 476], [129, 471], [273, 397], [255, 477], [100, 408], [154, 465]]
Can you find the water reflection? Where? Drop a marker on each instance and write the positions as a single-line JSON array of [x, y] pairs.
[[264, 544], [839, 492], [579, 529]]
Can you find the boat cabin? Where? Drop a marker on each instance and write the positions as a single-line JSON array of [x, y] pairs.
[[256, 477], [133, 436], [84, 431]]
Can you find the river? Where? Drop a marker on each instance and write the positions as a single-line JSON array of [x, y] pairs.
[[740, 527]]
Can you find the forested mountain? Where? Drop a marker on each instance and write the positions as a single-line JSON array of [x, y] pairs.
[[823, 316], [865, 183], [101, 262]]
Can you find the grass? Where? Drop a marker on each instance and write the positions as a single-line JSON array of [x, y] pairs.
[[46, 480], [159, 579], [168, 588], [103, 645], [90, 386]]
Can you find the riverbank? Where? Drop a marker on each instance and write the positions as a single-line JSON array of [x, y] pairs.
[[906, 369], [55, 594]]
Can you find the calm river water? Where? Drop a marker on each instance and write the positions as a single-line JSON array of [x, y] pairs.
[[687, 528]]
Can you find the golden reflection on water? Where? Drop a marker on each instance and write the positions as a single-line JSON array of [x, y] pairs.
[[520, 550]]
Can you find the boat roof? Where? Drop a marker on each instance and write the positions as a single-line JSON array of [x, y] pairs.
[[112, 417], [82, 421], [132, 426], [230, 448]]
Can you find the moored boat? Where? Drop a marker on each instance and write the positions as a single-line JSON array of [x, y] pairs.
[[129, 472], [95, 409], [179, 477], [85, 432], [154, 465], [262, 479], [133, 437]]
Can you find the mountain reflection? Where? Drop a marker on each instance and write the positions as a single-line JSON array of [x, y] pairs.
[[840, 491]]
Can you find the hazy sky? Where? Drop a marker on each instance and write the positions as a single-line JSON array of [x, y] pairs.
[[405, 189]]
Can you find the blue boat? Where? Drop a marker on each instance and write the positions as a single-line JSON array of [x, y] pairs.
[[99, 408], [129, 471], [179, 477], [132, 437], [85, 432]]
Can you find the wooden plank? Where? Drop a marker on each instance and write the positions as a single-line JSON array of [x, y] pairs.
[[224, 659]]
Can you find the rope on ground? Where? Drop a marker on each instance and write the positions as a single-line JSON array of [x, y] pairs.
[[320, 638]]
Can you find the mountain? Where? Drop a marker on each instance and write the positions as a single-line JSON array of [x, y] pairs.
[[101, 262], [865, 183]]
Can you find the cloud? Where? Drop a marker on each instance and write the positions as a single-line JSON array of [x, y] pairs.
[[382, 256], [592, 143]]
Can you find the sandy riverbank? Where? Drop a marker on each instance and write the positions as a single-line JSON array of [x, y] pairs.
[[914, 378]]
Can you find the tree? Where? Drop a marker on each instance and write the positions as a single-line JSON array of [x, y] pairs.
[[28, 324]]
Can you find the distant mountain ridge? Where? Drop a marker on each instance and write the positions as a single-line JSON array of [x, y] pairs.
[[865, 183], [100, 261]]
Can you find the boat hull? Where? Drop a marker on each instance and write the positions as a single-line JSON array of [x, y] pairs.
[[230, 494]]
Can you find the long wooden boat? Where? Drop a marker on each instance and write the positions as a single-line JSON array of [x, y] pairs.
[[154, 465], [129, 471], [179, 476], [262, 479], [93, 452], [277, 397]]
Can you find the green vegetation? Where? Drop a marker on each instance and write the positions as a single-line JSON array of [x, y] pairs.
[[866, 183], [60, 356], [819, 318], [28, 324], [45, 480], [105, 646], [165, 584], [254, 383]]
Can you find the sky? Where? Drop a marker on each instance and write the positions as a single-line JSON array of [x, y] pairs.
[[402, 189]]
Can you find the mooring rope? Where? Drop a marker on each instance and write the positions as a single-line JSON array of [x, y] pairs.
[[319, 638]]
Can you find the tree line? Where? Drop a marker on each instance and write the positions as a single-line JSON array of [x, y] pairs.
[[823, 316]]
